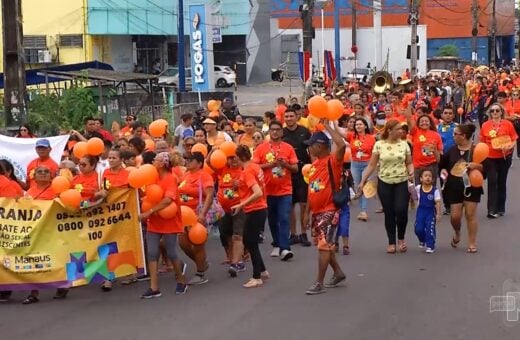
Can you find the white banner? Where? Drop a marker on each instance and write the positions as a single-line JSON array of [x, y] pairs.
[[21, 151]]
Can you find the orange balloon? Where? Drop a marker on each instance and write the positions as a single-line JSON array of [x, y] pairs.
[[475, 178], [80, 149], [136, 179], [198, 234], [305, 170], [95, 146], [213, 105], [71, 198], [208, 169], [146, 205], [199, 147], [460, 110], [188, 216], [318, 106], [229, 148], [348, 155], [334, 109], [149, 173], [480, 153], [158, 128], [149, 145], [169, 212], [218, 159], [154, 193], [60, 184]]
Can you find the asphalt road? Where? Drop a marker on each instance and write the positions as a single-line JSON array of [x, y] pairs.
[[445, 295]]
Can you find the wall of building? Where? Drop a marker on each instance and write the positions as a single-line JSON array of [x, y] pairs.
[[464, 46]]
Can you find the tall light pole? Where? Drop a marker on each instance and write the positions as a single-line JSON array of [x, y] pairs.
[[414, 18], [493, 48], [181, 49], [337, 41], [474, 33]]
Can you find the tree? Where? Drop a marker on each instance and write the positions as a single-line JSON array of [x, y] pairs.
[[448, 51]]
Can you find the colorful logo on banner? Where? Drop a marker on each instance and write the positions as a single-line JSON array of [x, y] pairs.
[[42, 245], [201, 48]]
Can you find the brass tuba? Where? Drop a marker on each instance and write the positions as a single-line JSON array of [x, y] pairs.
[[381, 81]]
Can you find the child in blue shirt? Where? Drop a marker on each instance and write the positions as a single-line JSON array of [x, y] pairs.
[[428, 211]]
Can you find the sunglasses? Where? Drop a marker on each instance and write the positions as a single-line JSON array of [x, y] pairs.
[[43, 171], [495, 110], [448, 112], [129, 119]]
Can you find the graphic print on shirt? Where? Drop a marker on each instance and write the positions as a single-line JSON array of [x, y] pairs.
[[184, 197], [229, 193]]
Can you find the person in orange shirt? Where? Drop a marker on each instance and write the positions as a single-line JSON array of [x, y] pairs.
[[9, 185], [231, 225], [280, 109], [325, 214], [426, 146], [166, 229], [278, 161], [249, 130], [126, 130], [253, 203], [43, 149], [500, 135], [87, 182], [213, 136], [196, 191], [512, 107]]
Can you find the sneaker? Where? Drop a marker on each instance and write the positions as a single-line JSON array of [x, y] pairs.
[[253, 283], [316, 288], [241, 267], [144, 277], [265, 275], [275, 252], [335, 280], [304, 241], [181, 288], [233, 270], [430, 250], [293, 239], [421, 245], [446, 212], [198, 279], [286, 255], [150, 294], [492, 215]]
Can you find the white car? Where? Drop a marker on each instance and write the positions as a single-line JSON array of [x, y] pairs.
[[224, 76], [359, 73], [438, 73]]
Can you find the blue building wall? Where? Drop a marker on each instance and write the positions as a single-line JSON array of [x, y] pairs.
[[158, 17], [464, 46]]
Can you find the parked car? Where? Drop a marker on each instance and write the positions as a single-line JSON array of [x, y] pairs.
[[438, 73], [359, 73], [224, 76]]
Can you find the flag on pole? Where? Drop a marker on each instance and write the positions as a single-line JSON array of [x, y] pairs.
[[330, 69], [304, 65]]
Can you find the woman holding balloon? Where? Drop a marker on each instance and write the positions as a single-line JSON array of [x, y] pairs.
[[500, 136], [163, 221], [463, 172]]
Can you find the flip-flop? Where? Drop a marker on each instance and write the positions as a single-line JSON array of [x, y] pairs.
[[472, 250], [454, 242], [30, 299], [346, 250], [391, 250], [403, 248]]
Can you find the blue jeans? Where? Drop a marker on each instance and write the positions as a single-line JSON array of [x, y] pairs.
[[357, 168], [344, 221], [278, 212]]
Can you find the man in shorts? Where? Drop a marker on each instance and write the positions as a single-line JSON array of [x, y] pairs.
[[325, 214]]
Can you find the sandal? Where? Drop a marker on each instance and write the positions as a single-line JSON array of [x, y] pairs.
[[30, 299], [403, 247], [391, 249], [346, 250], [454, 242], [472, 250], [106, 286], [380, 210]]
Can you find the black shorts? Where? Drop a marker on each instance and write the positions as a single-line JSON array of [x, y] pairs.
[[232, 224], [455, 193], [300, 189]]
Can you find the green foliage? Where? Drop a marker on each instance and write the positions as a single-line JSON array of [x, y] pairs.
[[49, 114], [448, 51]]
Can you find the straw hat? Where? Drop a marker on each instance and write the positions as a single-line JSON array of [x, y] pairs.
[[370, 189]]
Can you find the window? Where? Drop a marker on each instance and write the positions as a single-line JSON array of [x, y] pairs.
[[71, 40], [31, 45]]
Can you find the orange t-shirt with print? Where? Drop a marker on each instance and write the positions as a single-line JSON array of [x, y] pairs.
[[512, 107], [157, 224], [41, 194], [252, 175], [35, 163], [113, 179], [277, 180], [491, 130], [228, 194], [189, 187], [420, 138], [319, 196], [361, 147], [9, 188], [87, 185]]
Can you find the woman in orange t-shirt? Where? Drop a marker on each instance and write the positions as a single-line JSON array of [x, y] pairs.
[[254, 204], [167, 229], [361, 145], [426, 146], [500, 135], [196, 191], [9, 185], [87, 182]]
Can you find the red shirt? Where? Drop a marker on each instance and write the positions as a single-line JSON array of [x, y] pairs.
[[35, 163], [320, 188], [420, 138], [280, 111], [87, 185], [41, 194], [113, 179], [228, 194], [9, 188], [361, 147], [106, 135], [252, 175], [156, 223], [193, 185], [491, 130], [277, 180]]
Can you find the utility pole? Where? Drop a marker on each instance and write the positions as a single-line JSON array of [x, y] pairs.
[[492, 48], [337, 41], [378, 34], [474, 32], [181, 49], [14, 67], [414, 18], [354, 47], [308, 29]]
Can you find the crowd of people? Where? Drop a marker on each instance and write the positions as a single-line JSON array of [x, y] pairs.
[[301, 175]]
